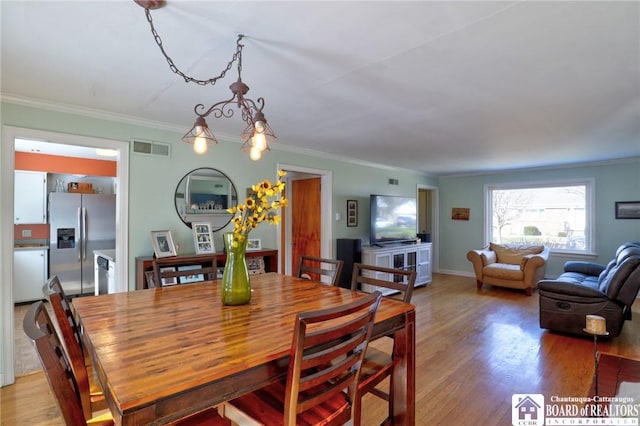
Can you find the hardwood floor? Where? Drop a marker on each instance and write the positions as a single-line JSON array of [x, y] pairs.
[[474, 350]]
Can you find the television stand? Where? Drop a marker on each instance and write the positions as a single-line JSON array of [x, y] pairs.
[[409, 255]]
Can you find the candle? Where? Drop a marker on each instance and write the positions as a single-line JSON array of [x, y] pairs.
[[596, 325]]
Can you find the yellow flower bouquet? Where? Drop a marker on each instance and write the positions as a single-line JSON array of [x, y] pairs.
[[261, 205]]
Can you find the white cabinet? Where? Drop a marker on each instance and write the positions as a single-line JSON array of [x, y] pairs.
[[423, 267], [30, 197], [29, 274], [415, 257]]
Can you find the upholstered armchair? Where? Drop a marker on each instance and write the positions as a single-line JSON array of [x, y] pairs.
[[510, 265]]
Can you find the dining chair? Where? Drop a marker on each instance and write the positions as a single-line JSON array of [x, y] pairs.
[[325, 359], [57, 367], [311, 267], [91, 395], [183, 270], [378, 364]]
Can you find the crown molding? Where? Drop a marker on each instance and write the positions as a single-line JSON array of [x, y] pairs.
[[122, 118]]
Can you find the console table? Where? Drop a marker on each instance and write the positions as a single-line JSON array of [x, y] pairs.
[[145, 263], [414, 257]]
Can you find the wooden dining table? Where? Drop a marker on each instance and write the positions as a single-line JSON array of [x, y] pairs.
[[163, 353]]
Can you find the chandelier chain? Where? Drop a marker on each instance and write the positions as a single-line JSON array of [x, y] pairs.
[[237, 56]]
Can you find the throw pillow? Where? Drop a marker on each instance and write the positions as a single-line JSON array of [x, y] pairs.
[[514, 254]]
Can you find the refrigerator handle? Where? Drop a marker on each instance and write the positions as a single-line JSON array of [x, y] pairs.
[[84, 234], [78, 237]]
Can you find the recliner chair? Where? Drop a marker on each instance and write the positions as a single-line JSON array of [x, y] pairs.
[[590, 288]]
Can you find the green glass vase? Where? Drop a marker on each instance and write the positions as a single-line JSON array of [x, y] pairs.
[[236, 287]]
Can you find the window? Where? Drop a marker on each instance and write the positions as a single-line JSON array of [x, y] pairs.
[[556, 214]]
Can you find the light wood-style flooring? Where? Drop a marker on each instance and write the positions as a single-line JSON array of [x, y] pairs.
[[474, 350]]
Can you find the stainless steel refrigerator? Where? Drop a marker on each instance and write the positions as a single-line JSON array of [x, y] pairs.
[[80, 224]]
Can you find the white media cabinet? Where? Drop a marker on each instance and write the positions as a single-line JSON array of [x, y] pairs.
[[413, 256]]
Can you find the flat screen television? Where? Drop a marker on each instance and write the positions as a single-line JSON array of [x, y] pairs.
[[393, 219]]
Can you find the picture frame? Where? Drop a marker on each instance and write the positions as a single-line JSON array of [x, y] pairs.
[[254, 244], [163, 244], [150, 281], [627, 209], [203, 237], [460, 213], [190, 278], [352, 213], [171, 280]]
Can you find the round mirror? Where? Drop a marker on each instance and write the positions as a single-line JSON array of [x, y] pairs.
[[204, 195]]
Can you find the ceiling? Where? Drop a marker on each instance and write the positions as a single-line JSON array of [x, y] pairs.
[[439, 87]]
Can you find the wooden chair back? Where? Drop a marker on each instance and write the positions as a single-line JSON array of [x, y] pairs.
[[72, 341], [317, 267], [378, 365], [325, 359], [326, 355], [397, 280], [183, 270], [39, 328]]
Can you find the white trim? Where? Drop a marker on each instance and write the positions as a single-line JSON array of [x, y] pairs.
[[326, 200], [435, 224], [590, 208], [7, 153]]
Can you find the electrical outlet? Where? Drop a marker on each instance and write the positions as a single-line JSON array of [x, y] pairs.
[[26, 233]]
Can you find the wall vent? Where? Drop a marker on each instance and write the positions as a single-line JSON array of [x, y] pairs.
[[151, 148], [393, 181]]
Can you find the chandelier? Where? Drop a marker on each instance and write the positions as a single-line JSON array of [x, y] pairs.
[[257, 134]]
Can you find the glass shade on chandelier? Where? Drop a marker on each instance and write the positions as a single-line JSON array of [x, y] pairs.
[[200, 136], [257, 136]]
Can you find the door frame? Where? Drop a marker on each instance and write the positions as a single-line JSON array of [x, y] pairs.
[[326, 205], [435, 223], [7, 161]]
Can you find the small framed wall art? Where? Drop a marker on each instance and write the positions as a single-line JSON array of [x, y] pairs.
[[460, 213], [627, 209], [203, 237], [163, 244], [352, 213]]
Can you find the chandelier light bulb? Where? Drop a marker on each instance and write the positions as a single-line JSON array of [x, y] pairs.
[[199, 145], [259, 140], [255, 154]]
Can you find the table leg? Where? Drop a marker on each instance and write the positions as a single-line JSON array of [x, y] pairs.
[[404, 376]]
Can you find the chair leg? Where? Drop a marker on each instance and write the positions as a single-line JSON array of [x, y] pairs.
[[479, 284], [356, 409]]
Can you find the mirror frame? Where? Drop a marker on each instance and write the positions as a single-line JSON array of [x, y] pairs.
[[223, 218]]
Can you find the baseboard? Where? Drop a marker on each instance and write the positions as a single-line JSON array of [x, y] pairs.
[[460, 273]]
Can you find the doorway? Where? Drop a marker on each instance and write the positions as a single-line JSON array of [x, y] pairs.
[[321, 215], [428, 220], [9, 135]]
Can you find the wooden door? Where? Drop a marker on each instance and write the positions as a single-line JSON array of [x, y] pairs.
[[305, 220]]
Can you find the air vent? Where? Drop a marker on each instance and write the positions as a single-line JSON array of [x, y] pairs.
[[393, 181], [151, 148]]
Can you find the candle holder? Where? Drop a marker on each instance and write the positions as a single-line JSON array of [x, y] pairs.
[[596, 326]]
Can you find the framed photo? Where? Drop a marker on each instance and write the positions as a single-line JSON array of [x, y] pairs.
[[163, 244], [190, 278], [254, 244], [203, 237], [150, 282], [352, 212], [170, 280], [627, 209], [460, 213]]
